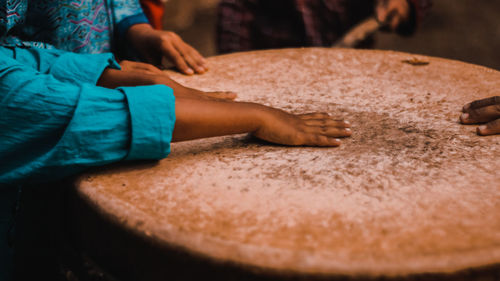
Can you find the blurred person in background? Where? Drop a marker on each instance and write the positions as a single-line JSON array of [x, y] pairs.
[[259, 24], [95, 26]]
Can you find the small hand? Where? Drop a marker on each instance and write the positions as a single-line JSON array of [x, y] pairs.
[[393, 13], [185, 57], [140, 67], [157, 45], [483, 111], [139, 74], [314, 129], [185, 92]]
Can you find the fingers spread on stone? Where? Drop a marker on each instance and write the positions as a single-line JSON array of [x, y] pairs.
[[490, 128], [171, 52], [336, 132], [314, 115], [323, 124], [193, 59], [481, 114], [329, 131], [193, 64], [481, 103], [327, 122], [191, 56], [321, 140], [201, 62]]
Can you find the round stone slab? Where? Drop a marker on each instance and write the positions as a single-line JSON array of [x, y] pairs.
[[411, 192]]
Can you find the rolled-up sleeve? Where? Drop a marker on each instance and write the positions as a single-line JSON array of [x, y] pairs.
[[50, 129], [151, 132], [78, 68]]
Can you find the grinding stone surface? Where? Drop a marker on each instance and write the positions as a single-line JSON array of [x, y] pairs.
[[411, 191]]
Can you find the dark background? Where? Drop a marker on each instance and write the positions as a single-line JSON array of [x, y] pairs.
[[466, 30]]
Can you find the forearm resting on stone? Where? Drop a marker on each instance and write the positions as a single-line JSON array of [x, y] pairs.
[[201, 118], [113, 78], [197, 118]]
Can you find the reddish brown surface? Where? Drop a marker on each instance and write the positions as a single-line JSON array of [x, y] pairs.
[[411, 192]]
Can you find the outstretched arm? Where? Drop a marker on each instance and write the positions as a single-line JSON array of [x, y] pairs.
[[141, 74], [208, 118], [52, 128], [201, 117]]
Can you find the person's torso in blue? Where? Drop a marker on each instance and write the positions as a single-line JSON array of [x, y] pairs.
[[82, 26], [54, 121]]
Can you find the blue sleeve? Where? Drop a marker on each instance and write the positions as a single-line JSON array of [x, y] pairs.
[[50, 129], [126, 23], [127, 13], [64, 66]]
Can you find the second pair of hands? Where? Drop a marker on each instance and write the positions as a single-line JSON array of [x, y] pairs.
[[207, 114], [485, 112], [310, 129], [216, 113], [161, 47]]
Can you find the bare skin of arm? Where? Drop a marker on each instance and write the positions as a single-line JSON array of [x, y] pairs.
[[486, 112], [208, 118], [201, 117], [137, 74]]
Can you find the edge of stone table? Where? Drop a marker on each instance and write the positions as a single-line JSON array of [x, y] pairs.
[[488, 261]]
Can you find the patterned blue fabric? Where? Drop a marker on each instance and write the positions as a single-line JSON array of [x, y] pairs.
[[82, 26]]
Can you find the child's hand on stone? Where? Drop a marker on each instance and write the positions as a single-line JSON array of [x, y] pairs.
[[157, 45], [483, 111], [196, 118], [139, 74], [314, 129]]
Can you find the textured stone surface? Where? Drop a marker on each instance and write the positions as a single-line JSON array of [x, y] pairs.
[[411, 192]]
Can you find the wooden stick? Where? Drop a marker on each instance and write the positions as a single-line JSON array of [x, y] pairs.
[[358, 33]]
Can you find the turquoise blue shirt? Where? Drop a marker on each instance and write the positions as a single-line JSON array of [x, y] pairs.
[[82, 26], [55, 121]]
